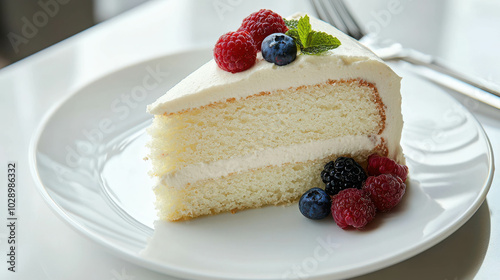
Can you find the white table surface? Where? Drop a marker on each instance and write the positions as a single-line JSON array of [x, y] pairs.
[[464, 32]]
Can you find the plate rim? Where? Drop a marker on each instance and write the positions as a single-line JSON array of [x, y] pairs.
[[137, 259]]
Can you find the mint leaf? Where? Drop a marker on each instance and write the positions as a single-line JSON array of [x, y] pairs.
[[317, 50], [318, 38], [309, 41], [291, 24], [304, 28], [294, 33]]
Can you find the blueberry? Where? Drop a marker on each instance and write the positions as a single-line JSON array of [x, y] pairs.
[[315, 204], [279, 49]]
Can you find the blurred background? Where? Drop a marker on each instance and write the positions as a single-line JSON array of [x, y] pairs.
[[28, 26]]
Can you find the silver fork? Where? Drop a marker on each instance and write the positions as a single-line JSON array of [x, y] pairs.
[[336, 13]]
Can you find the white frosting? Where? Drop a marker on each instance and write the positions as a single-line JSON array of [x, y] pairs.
[[351, 60], [211, 84], [270, 157]]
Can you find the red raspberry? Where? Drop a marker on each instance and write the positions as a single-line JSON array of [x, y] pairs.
[[352, 207], [235, 51], [381, 165], [385, 190], [263, 23]]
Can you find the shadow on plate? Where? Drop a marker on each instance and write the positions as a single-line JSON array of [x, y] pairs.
[[457, 257]]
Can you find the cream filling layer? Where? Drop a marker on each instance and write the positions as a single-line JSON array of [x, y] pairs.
[[270, 157]]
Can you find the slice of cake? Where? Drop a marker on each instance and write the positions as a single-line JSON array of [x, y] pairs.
[[226, 141]]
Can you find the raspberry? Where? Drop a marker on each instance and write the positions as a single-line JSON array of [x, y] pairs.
[[263, 23], [381, 165], [385, 191], [235, 51], [352, 207], [342, 174]]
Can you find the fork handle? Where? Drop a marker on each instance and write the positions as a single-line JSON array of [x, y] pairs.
[[455, 80], [418, 58]]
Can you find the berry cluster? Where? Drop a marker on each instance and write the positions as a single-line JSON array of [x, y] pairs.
[[356, 197], [237, 51]]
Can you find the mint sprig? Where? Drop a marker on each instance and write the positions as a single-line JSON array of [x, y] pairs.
[[309, 41], [291, 24]]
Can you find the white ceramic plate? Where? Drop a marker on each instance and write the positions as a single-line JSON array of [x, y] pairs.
[[87, 159]]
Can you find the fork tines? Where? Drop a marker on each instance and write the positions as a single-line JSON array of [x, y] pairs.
[[336, 13]]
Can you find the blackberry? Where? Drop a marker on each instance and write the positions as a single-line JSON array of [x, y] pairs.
[[342, 174]]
